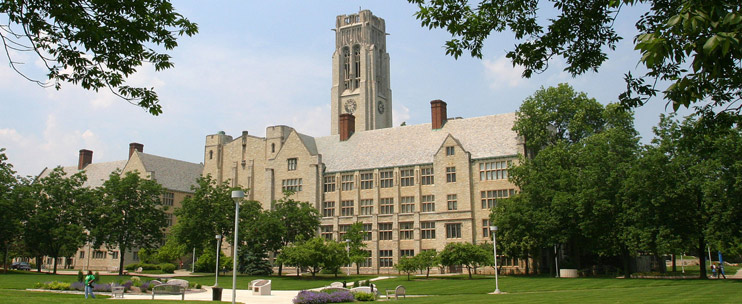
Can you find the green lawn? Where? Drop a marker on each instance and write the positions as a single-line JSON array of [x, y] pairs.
[[30, 297], [26, 279]]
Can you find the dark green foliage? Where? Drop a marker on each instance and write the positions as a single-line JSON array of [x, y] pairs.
[[167, 267], [407, 265], [80, 276], [466, 254], [96, 44], [364, 296], [254, 263], [315, 255]]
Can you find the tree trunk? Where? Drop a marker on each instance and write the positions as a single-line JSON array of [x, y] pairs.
[[469, 270], [527, 263], [673, 263], [626, 263], [358, 269], [280, 269], [39, 260], [427, 274], [121, 261], [701, 252], [552, 266], [5, 259], [55, 265]]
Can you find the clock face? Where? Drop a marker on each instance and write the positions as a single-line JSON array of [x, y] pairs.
[[380, 107], [350, 106]]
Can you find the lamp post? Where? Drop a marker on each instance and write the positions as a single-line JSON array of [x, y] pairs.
[[237, 196], [347, 247], [218, 247], [493, 229]]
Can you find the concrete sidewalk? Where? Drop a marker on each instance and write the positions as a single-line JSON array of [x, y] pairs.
[[243, 296]]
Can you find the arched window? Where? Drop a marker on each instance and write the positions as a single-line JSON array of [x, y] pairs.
[[346, 67], [211, 154], [357, 66]]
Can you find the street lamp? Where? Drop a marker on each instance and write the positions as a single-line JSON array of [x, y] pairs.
[[347, 246], [237, 196], [493, 229], [218, 247]]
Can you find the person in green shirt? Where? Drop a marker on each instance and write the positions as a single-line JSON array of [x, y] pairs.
[[89, 280]]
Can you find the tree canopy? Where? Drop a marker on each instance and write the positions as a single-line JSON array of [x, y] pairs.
[[692, 44], [96, 44]]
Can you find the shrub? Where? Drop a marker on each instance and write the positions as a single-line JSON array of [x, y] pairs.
[[102, 287], [54, 285], [198, 286], [80, 276], [136, 281], [132, 266], [167, 267], [355, 284], [364, 296], [97, 276], [313, 297]]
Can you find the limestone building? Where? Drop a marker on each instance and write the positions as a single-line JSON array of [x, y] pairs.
[[175, 176], [414, 188]]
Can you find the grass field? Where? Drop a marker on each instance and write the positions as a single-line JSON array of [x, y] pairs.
[[31, 297]]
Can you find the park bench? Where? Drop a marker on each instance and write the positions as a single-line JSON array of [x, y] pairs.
[[399, 291], [117, 291], [172, 287], [260, 287]]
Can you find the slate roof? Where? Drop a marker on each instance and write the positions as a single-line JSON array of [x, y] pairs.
[[97, 173], [483, 137], [171, 173]]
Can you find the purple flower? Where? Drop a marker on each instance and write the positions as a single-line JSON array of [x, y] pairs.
[[312, 297], [77, 286]]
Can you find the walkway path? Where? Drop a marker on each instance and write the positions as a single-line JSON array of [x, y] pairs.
[[243, 295]]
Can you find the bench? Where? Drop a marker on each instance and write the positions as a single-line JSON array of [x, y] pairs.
[[399, 291], [117, 291], [260, 287], [169, 289]]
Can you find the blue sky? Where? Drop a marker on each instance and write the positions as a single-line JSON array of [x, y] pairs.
[[261, 63]]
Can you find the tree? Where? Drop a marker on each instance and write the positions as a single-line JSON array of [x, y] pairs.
[[55, 224], [131, 214], [407, 265], [695, 45], [259, 232], [300, 221], [356, 245], [13, 208], [95, 44], [308, 254], [466, 254], [334, 256], [170, 252], [427, 259]]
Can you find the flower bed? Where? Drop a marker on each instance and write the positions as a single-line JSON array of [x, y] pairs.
[[313, 297]]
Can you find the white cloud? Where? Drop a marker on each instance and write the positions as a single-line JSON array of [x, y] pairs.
[[501, 73]]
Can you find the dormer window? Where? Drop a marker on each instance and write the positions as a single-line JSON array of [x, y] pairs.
[[450, 151], [291, 164]]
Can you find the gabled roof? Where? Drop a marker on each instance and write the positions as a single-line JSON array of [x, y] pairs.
[[483, 137], [97, 173], [171, 173]]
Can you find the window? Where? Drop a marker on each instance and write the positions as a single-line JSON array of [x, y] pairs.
[[386, 205], [385, 231], [385, 258], [98, 254], [450, 150], [386, 179], [367, 261], [489, 198], [346, 208], [427, 230], [453, 231], [405, 231], [328, 209], [367, 207], [407, 204], [291, 164], [169, 219], [211, 154], [342, 230], [273, 148], [367, 232], [367, 181], [114, 255], [426, 176], [167, 198], [486, 228], [346, 182], [326, 232], [135, 256], [494, 170], [452, 202], [450, 174], [82, 254], [329, 185], [427, 203], [406, 253], [346, 67], [293, 185], [407, 177], [357, 66]]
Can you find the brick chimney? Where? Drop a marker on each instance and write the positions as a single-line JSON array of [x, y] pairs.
[[86, 158], [135, 147], [347, 126], [438, 111]]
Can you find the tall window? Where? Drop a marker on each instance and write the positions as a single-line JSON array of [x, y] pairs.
[[405, 231], [326, 232], [426, 176], [367, 261], [385, 231], [486, 228], [453, 231], [386, 205], [427, 230], [450, 150], [342, 230], [346, 68], [367, 207], [386, 179], [407, 204], [346, 208], [357, 65], [385, 258], [406, 253], [169, 219], [367, 181], [407, 177], [328, 209], [452, 202], [98, 254], [114, 255], [490, 197], [168, 198], [329, 184], [82, 254], [346, 182], [367, 232], [450, 174], [427, 203], [291, 164], [494, 170], [293, 184]]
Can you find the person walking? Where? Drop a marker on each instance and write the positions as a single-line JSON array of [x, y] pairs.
[[89, 279], [713, 270]]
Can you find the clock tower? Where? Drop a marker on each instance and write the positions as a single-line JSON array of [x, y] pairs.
[[360, 72]]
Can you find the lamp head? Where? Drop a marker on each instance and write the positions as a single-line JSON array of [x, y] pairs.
[[238, 195], [493, 228]]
